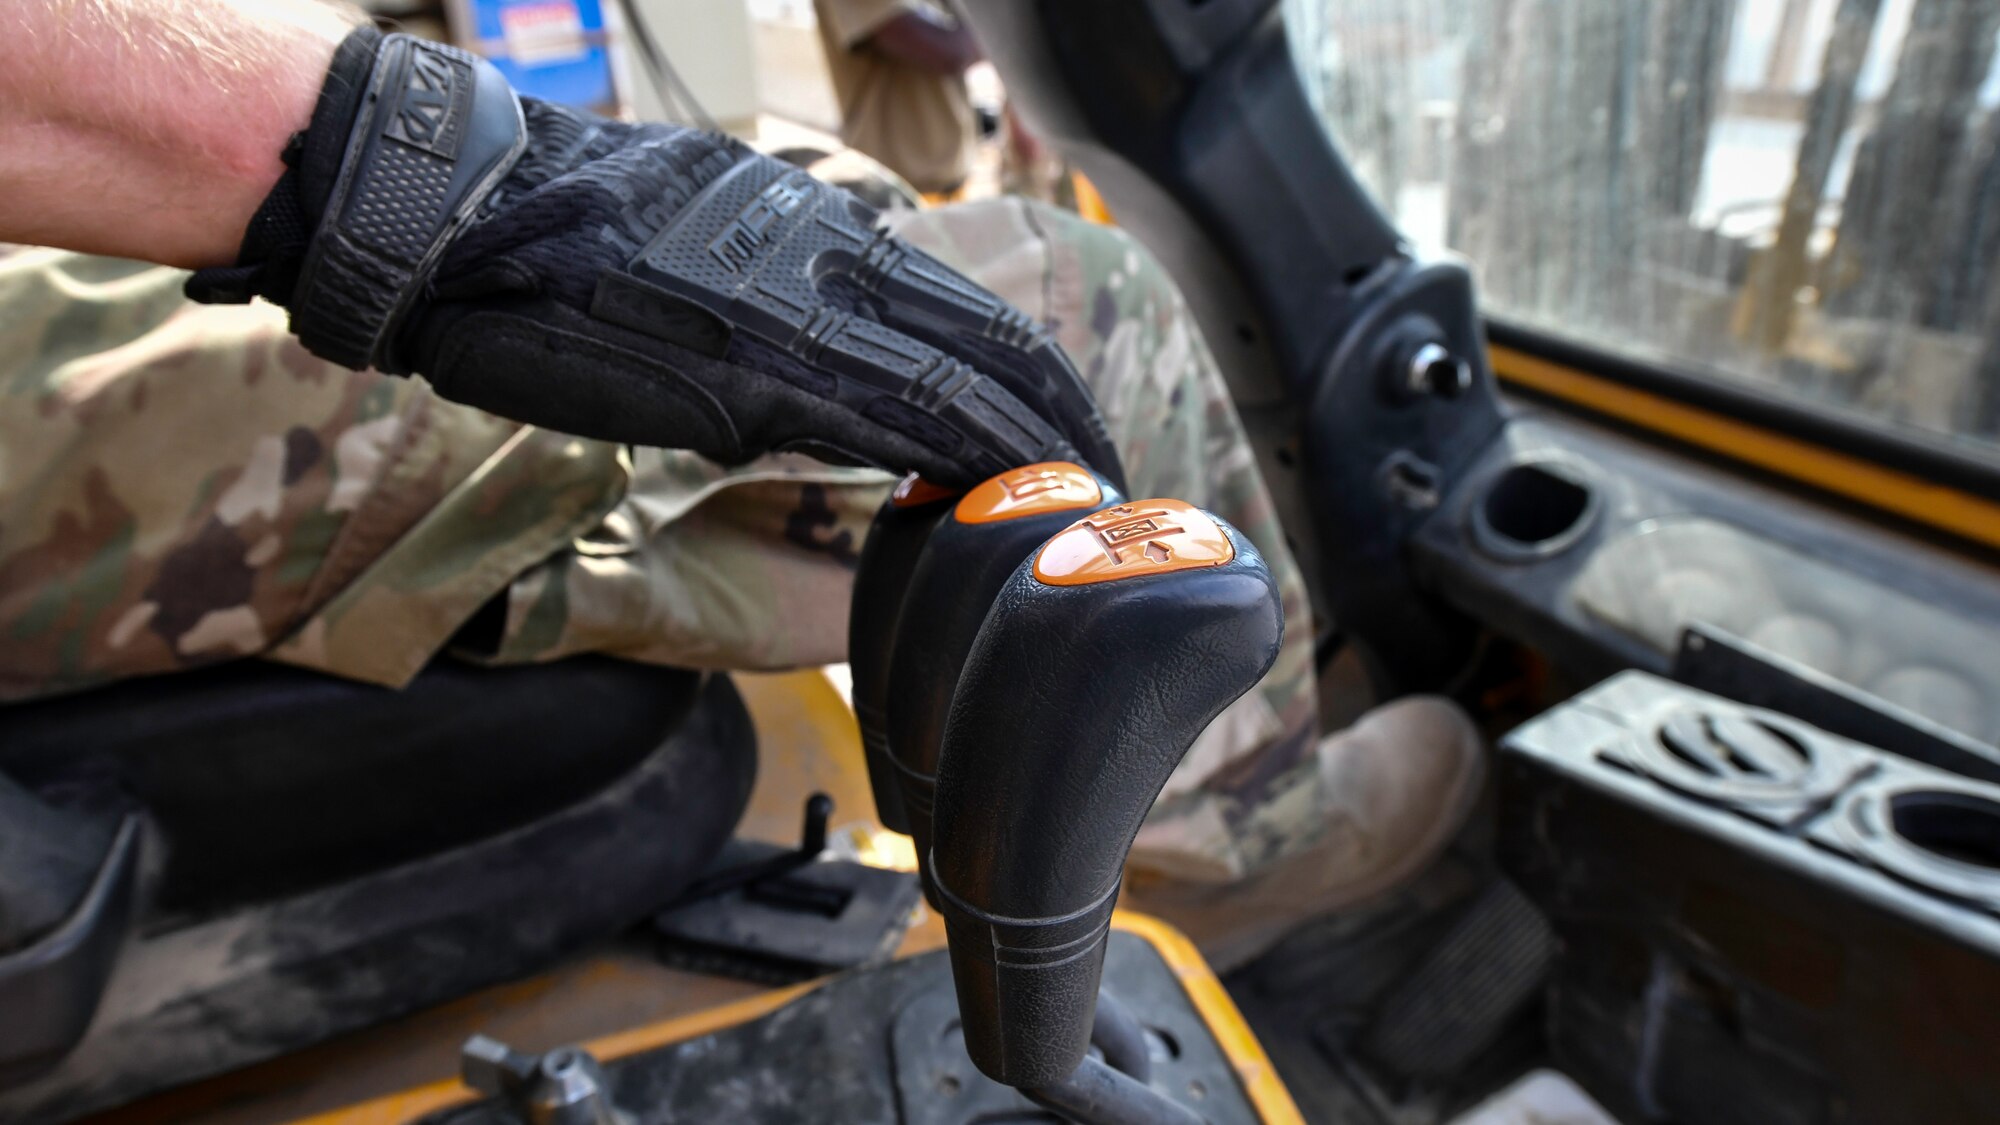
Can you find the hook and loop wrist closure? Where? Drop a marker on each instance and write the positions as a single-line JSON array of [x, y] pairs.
[[407, 142]]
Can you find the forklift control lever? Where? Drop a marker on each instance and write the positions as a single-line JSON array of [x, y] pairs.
[[1102, 659]]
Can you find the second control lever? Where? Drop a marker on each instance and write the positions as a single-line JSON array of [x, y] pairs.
[[970, 555], [895, 540]]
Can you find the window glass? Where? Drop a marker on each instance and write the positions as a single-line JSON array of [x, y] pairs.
[[1799, 195]]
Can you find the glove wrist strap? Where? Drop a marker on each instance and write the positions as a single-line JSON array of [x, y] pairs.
[[274, 244], [436, 130]]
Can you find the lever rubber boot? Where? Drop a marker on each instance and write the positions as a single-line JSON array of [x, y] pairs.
[[895, 540], [1102, 659], [971, 554]]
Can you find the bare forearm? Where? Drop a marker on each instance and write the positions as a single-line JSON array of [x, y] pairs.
[[152, 128]]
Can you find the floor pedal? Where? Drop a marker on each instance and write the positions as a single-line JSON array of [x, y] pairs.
[[1469, 986]]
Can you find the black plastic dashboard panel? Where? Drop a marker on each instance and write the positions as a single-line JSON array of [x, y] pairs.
[[1192, 120], [1761, 922], [1672, 542], [1723, 664]]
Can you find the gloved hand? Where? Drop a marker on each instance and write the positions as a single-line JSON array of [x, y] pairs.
[[639, 283]]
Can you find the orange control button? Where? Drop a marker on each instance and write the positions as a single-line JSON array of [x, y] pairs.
[[1033, 490], [913, 490], [1130, 540]]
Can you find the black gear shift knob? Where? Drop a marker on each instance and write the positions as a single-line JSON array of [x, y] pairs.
[[895, 540], [971, 554], [1102, 659]]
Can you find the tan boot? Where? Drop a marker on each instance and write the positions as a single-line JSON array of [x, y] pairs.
[[1392, 790]]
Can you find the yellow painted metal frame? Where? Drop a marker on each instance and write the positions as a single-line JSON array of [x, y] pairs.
[[1261, 1084], [1912, 498]]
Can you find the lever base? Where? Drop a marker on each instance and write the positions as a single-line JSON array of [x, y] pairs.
[[880, 1045], [1042, 974]]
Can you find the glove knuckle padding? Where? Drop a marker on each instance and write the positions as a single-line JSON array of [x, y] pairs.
[[800, 266]]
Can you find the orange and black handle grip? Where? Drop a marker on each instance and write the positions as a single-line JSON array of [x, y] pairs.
[[971, 554], [1102, 659], [895, 540]]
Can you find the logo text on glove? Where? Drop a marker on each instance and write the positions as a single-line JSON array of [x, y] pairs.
[[436, 97], [737, 245]]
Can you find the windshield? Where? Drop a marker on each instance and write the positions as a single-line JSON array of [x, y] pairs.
[[1797, 195]]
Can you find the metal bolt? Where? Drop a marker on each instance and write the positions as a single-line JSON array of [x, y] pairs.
[[1434, 370], [562, 1087], [493, 1068]]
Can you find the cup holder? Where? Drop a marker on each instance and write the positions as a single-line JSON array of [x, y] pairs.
[[1534, 510], [1739, 759], [1942, 837], [1961, 827]]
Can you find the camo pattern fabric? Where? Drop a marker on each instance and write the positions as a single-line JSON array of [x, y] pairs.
[[181, 484]]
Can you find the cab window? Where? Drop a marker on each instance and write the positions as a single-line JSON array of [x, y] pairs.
[[1800, 197]]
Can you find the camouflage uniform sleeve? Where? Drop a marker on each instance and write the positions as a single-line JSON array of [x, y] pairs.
[[526, 501], [183, 484], [703, 566]]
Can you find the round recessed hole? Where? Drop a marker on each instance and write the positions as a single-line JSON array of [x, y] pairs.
[[1942, 837], [1958, 826], [1738, 757], [1534, 509], [949, 1085], [1736, 748]]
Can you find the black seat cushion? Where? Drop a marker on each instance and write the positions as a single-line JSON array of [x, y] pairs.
[[266, 780]]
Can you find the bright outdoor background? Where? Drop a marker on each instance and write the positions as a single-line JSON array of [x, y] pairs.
[[1796, 195]]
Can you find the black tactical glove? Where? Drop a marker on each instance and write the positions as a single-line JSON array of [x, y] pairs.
[[639, 283]]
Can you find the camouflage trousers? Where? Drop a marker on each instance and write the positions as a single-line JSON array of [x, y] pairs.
[[182, 484]]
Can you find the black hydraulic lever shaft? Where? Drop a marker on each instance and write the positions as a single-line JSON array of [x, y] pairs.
[[1102, 1095]]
